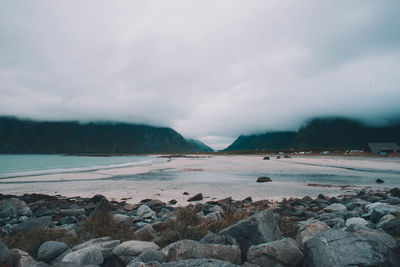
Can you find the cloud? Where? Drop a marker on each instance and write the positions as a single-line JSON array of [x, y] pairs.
[[210, 69]]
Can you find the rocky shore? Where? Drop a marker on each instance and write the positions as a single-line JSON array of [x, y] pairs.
[[362, 229]]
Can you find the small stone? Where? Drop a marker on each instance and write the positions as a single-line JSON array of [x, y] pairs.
[[379, 181], [356, 220], [185, 193], [263, 179], [196, 197], [266, 158]]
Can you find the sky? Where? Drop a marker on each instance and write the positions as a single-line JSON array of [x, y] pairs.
[[212, 70]]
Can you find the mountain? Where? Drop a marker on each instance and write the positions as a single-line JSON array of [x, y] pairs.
[[343, 133], [324, 133], [26, 136], [266, 141], [200, 146]]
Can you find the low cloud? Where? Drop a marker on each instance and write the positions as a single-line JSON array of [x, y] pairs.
[[211, 70]]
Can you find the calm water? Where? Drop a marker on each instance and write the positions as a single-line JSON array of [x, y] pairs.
[[30, 165]]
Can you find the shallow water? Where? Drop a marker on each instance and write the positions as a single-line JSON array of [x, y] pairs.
[[216, 177]]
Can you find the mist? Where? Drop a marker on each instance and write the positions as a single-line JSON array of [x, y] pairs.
[[211, 70]]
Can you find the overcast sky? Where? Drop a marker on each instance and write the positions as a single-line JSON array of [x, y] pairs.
[[209, 69]]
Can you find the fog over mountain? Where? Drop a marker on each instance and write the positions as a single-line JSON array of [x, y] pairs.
[[211, 70]]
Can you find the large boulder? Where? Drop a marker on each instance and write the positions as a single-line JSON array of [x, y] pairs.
[[392, 227], [105, 244], [381, 208], [7, 209], [50, 250], [85, 256], [130, 249], [145, 212], [339, 248], [309, 230], [260, 228], [5, 257], [282, 253], [190, 249], [42, 222], [22, 259], [335, 208]]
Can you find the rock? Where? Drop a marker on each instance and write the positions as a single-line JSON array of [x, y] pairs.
[[130, 249], [145, 212], [21, 207], [266, 158], [392, 227], [278, 157], [113, 261], [309, 230], [393, 200], [395, 192], [43, 222], [68, 220], [382, 208], [150, 255], [337, 207], [384, 220], [327, 216], [379, 181], [282, 252], [199, 263], [212, 217], [72, 212], [263, 179], [335, 222], [147, 233], [187, 249], [185, 193], [120, 218], [287, 157], [377, 215], [196, 197], [50, 250], [356, 220], [22, 259], [86, 256], [7, 209], [339, 248], [172, 202], [256, 229], [212, 238], [105, 244], [5, 257]]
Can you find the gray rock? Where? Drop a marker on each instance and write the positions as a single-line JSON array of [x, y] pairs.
[[22, 259], [263, 179], [392, 227], [199, 263], [85, 256], [259, 228], [130, 249], [356, 220], [282, 252], [72, 212], [147, 233], [68, 220], [189, 249], [393, 200], [145, 212], [121, 218], [327, 216], [384, 220], [22, 208], [382, 208], [357, 227], [212, 217], [43, 222], [7, 209], [196, 197], [212, 238], [336, 207], [339, 248], [113, 261], [377, 215], [309, 230], [5, 257], [335, 222], [50, 250], [105, 244], [150, 255]]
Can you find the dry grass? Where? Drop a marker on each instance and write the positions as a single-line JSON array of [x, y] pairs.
[[101, 224], [31, 240], [229, 217], [289, 227]]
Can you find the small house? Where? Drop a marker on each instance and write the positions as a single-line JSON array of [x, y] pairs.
[[383, 147]]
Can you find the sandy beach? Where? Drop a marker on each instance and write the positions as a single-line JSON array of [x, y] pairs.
[[216, 177]]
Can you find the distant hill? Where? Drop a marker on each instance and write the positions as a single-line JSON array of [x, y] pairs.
[[324, 133], [200, 146], [26, 136], [266, 141]]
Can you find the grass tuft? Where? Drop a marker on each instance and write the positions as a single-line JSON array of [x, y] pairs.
[[288, 226]]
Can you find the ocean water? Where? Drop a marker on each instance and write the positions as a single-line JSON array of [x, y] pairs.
[[140, 177], [34, 165]]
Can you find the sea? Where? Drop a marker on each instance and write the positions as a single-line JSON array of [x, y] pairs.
[[133, 178]]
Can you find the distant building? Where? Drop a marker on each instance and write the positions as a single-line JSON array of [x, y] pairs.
[[383, 147]]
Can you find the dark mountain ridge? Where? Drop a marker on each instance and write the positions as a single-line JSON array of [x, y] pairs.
[[200, 146], [321, 133], [19, 136]]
